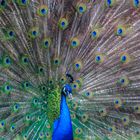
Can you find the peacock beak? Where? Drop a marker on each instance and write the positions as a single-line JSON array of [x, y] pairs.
[[70, 96]]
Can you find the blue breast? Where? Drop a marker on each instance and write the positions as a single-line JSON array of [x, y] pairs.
[[63, 125]]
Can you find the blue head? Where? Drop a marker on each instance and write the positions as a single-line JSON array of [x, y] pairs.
[[67, 90]]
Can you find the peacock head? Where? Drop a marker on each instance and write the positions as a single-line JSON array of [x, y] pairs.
[[67, 90]]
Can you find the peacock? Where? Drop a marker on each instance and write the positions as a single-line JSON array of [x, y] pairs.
[[69, 69]]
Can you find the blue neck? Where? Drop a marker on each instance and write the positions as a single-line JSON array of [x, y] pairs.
[[63, 129]]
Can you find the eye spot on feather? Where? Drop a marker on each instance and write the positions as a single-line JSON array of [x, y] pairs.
[[41, 70], [24, 60], [137, 132], [16, 107], [74, 105], [50, 82], [110, 3], [80, 82], [95, 33], [117, 102], [34, 32], [120, 30], [73, 116], [62, 80], [56, 62], [43, 88], [123, 81], [7, 88], [3, 5], [28, 118], [77, 66], [75, 86], [74, 42], [48, 135], [103, 112], [11, 33], [137, 109], [63, 23], [39, 118], [81, 8], [41, 135], [46, 42], [3, 2], [23, 3], [125, 58], [135, 3], [26, 86], [78, 131], [99, 58], [2, 125], [12, 128], [125, 121], [42, 10], [6, 61], [88, 94], [111, 129], [84, 118]]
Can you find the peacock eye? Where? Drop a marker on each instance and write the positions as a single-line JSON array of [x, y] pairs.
[[94, 33], [13, 128], [137, 108], [123, 58], [63, 23], [117, 102], [75, 42], [11, 33], [3, 2], [34, 32], [119, 31], [136, 3], [98, 58], [24, 60], [41, 69], [46, 42], [137, 132], [124, 119], [23, 2], [42, 10], [8, 61], [81, 8], [122, 81], [110, 3]]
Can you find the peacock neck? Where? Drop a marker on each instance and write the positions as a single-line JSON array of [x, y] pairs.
[[63, 125], [64, 112]]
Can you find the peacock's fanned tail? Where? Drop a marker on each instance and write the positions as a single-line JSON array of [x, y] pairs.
[[96, 41]]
